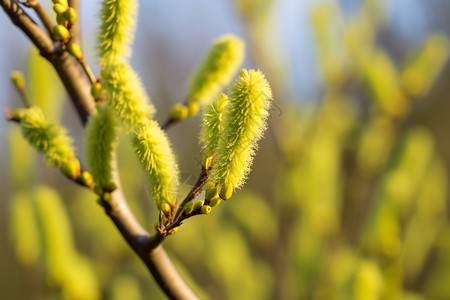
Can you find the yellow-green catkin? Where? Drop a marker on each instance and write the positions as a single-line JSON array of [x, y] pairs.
[[101, 139], [216, 70], [48, 138], [244, 123], [125, 94], [212, 124], [116, 33], [156, 157]]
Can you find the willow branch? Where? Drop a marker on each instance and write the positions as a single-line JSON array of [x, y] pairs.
[[42, 14], [77, 85], [71, 73]]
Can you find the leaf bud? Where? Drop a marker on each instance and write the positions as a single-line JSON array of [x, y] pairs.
[[206, 209], [61, 32], [111, 186], [75, 50], [86, 179], [179, 112], [189, 207], [96, 90], [17, 79], [226, 191], [71, 15], [106, 197], [61, 19], [59, 8], [71, 168], [193, 108]]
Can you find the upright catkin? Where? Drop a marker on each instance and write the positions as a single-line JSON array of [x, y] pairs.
[[244, 124], [157, 159]]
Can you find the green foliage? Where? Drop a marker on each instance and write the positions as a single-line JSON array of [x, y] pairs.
[[125, 94], [216, 70], [101, 139], [48, 138], [244, 123], [156, 157], [116, 33]]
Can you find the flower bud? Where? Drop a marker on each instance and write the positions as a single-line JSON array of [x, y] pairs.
[[61, 32], [226, 191], [75, 50], [210, 191], [179, 112], [206, 209], [189, 207]]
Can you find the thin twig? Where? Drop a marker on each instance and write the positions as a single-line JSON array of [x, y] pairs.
[[42, 14]]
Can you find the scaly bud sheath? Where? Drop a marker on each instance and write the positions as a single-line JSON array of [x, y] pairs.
[[101, 140], [116, 33], [198, 205], [125, 94], [210, 191], [156, 157], [215, 201], [61, 32], [217, 69], [48, 138], [212, 127], [226, 191], [244, 124]]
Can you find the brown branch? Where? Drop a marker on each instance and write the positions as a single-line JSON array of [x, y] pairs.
[[42, 14]]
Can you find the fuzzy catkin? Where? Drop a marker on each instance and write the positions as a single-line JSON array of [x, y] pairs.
[[48, 138], [212, 124], [244, 124], [155, 154], [217, 69], [101, 139], [116, 33], [125, 94]]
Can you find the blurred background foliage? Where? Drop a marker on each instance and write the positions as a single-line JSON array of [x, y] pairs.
[[348, 197]]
